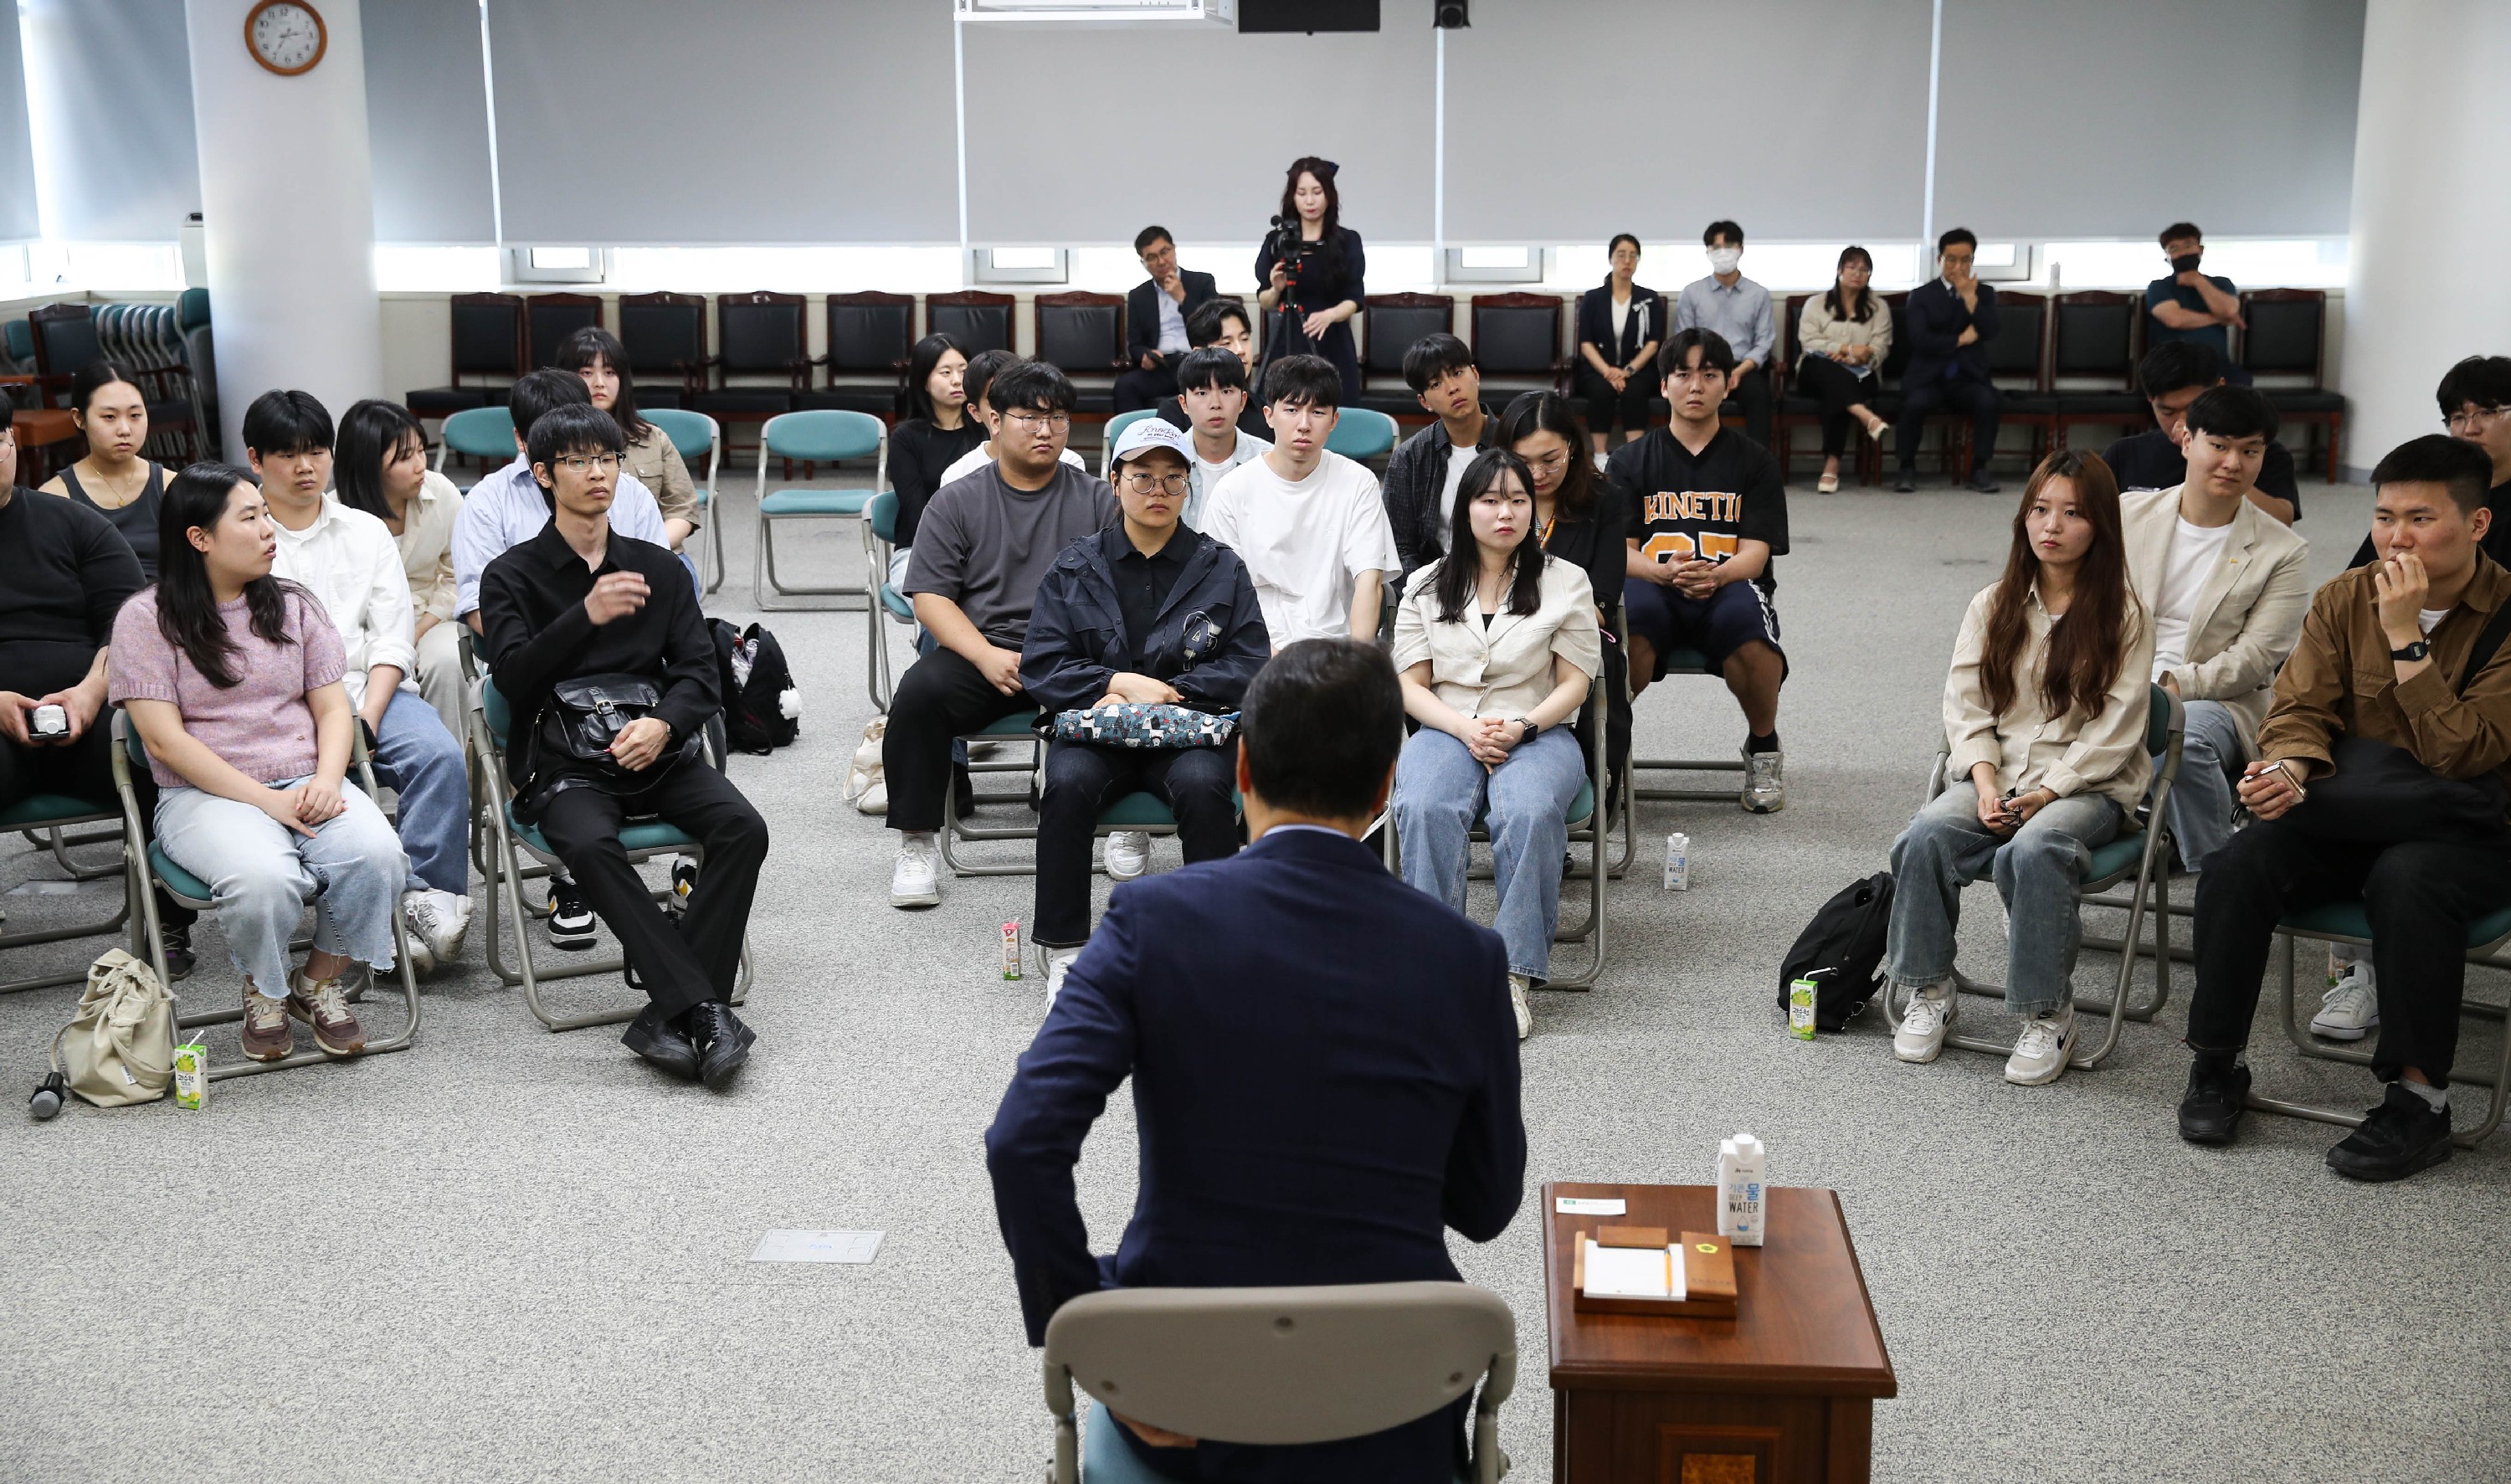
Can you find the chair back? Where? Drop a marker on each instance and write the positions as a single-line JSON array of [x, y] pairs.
[[692, 434], [1115, 425], [488, 334], [482, 432], [2018, 352], [665, 333], [976, 319], [496, 710], [823, 435], [1082, 333], [2163, 718], [1362, 433], [2285, 332], [1897, 359], [2093, 336], [760, 334], [880, 513], [871, 333], [1517, 334], [1284, 1365], [549, 318], [1392, 322], [64, 338]]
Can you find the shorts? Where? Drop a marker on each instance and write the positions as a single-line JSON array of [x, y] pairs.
[[1717, 625]]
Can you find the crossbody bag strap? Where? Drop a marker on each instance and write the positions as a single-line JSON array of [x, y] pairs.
[[2496, 629]]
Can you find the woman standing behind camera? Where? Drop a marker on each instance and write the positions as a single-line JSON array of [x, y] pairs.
[[1319, 285]]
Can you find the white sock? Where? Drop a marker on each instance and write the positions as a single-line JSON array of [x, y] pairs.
[[2435, 1097]]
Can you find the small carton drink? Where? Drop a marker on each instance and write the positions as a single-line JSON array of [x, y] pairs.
[[1801, 1009], [1010, 949], [1740, 1167], [192, 1075], [1677, 862]]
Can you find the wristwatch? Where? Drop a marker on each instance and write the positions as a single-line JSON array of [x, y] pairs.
[[2412, 653], [1530, 729]]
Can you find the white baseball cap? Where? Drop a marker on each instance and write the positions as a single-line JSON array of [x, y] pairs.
[[1145, 433]]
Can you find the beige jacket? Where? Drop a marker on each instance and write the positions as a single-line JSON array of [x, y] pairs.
[[2032, 749], [426, 544], [1506, 668], [2248, 615], [1818, 332], [656, 463]]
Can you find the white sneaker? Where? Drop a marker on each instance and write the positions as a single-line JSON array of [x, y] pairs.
[[420, 928], [439, 919], [1923, 1025], [1058, 962], [2351, 1008], [1129, 854], [1765, 789], [2041, 1052], [1518, 985], [916, 880]]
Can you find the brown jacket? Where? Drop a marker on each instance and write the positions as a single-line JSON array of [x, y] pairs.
[[2340, 679]]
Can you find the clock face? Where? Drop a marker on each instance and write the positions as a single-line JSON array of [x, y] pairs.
[[285, 37]]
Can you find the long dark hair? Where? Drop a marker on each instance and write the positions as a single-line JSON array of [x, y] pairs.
[[187, 608], [1459, 569], [920, 361], [1864, 296], [2088, 645], [1330, 225], [93, 377], [371, 433], [1533, 412], [593, 341]]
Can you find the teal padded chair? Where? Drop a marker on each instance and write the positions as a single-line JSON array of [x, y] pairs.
[[1115, 425], [1362, 434], [510, 839], [821, 436], [2488, 946], [46, 819], [2141, 856], [695, 435], [484, 432], [148, 865], [888, 604], [1677, 662], [1142, 810]]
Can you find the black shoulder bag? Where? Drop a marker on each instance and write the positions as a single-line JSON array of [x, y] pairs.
[[584, 715], [2379, 795]]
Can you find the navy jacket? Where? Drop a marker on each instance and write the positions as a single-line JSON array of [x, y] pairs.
[[1936, 319], [1209, 641], [1325, 1076], [1143, 312]]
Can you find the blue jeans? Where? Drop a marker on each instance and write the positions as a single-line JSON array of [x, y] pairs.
[[261, 874], [2210, 758], [1440, 789], [418, 759], [2038, 869]]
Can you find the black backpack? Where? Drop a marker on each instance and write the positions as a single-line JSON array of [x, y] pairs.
[[1842, 951], [762, 708]]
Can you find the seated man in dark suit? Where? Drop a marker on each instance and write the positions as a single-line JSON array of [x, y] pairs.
[[1155, 321], [1323, 1063], [1951, 318]]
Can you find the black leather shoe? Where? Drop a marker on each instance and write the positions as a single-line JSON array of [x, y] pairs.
[[2211, 1113], [653, 1037], [723, 1042], [2402, 1134], [1980, 483], [1905, 482]]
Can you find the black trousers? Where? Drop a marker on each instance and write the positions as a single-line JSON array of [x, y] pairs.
[[2420, 899], [1838, 389], [1753, 390], [1137, 388], [1919, 399], [1605, 406], [699, 959], [939, 697], [1082, 778], [84, 770]]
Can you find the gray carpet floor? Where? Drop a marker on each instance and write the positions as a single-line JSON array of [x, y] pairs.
[[512, 1255]]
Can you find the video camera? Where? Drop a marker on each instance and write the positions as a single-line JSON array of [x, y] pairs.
[[1295, 254]]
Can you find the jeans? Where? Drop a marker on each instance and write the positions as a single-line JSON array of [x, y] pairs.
[[2210, 758], [2038, 869], [1438, 790], [416, 758], [2420, 897], [939, 699], [261, 874], [1082, 778]]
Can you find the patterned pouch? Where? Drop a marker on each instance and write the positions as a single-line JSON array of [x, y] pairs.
[[1131, 726]]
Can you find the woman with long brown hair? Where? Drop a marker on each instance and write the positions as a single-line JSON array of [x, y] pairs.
[[2045, 718]]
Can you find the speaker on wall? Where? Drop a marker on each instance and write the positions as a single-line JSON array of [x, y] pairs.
[[1449, 16], [1311, 16]]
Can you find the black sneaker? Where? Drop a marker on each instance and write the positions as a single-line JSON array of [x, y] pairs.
[[2210, 1112], [570, 923], [651, 1037], [1980, 482], [176, 942], [2402, 1134], [1905, 482], [723, 1042]]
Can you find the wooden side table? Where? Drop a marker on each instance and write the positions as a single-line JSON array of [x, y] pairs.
[[1783, 1393], [41, 431]]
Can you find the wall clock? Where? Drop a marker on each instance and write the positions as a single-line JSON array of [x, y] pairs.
[[286, 36]]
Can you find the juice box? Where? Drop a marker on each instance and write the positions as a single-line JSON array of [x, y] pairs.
[[1801, 1009], [1010, 949], [192, 1075]]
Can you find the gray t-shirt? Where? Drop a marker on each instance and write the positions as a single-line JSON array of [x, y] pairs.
[[985, 546]]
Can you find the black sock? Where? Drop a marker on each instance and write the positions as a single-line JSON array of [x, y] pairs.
[[1766, 742]]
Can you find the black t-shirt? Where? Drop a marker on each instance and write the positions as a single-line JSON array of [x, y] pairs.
[[1680, 505], [65, 572], [2150, 461], [2497, 536], [1143, 582]]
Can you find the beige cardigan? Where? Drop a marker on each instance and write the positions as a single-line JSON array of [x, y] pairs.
[[426, 544], [656, 463], [1818, 332], [2032, 749], [2248, 614], [1506, 668]]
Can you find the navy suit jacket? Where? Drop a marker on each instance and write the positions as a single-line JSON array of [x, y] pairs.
[[1325, 1076], [1936, 319], [1143, 312]]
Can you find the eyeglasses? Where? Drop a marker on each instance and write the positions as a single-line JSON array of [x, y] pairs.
[[2470, 420], [599, 464], [1144, 481], [1558, 458], [1040, 419]]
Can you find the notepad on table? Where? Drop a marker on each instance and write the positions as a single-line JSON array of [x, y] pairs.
[[1632, 1272]]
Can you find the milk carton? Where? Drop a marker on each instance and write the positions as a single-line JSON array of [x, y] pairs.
[[1010, 949], [1741, 1164], [1677, 862], [192, 1075]]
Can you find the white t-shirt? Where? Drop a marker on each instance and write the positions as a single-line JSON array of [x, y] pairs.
[[2195, 551], [1459, 459], [1207, 476], [977, 457], [1621, 317], [2429, 619], [1305, 544]]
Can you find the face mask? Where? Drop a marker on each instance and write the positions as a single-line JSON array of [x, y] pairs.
[[1724, 259]]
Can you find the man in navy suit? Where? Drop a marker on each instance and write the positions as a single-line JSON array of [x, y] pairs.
[[1323, 1063], [1950, 318], [1155, 338]]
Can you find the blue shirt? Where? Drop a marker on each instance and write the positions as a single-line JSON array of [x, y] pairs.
[[507, 508], [1740, 312], [2169, 290]]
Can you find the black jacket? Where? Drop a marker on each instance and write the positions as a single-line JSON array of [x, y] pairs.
[[1208, 641], [1143, 312], [1415, 477], [1936, 319], [1647, 321]]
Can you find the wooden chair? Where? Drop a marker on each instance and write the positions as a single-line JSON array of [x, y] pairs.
[[2017, 362], [870, 337], [758, 334], [975, 317], [549, 318], [666, 337], [2288, 337], [1082, 334], [2093, 337], [1389, 324], [488, 335]]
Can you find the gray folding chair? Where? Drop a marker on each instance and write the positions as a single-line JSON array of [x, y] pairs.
[[1283, 1365], [44, 819]]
